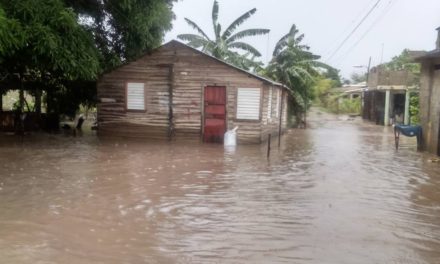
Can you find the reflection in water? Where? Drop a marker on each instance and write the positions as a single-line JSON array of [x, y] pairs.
[[336, 193]]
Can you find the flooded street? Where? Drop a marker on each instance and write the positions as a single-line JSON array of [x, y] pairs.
[[337, 192]]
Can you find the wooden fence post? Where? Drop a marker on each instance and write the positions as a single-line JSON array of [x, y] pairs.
[[268, 146]]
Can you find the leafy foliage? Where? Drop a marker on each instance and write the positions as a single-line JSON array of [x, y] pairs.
[[405, 62], [51, 42], [10, 39], [321, 89], [333, 75], [295, 66], [224, 43], [414, 108], [345, 106], [46, 38], [123, 30], [358, 77]]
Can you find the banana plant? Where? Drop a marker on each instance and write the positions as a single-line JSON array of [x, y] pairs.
[[224, 43]]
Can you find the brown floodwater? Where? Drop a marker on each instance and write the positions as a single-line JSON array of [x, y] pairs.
[[337, 192]]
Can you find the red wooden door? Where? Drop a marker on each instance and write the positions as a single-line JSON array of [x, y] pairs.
[[215, 114]]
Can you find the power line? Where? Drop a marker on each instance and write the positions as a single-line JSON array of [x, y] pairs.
[[378, 19], [354, 30], [347, 28]]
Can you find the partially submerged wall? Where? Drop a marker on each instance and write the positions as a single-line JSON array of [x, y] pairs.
[[430, 104]]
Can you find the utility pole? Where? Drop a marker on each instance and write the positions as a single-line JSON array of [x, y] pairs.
[[368, 70], [366, 84], [367, 78]]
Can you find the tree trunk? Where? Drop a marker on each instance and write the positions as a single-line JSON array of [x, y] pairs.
[[38, 101], [1, 101], [21, 102], [49, 97], [53, 121]]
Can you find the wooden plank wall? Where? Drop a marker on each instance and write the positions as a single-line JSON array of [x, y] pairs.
[[191, 73], [285, 108], [114, 120], [271, 125]]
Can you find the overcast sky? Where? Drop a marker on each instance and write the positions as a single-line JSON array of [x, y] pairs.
[[392, 26]]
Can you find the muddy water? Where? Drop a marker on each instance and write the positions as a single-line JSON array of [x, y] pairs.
[[335, 193]]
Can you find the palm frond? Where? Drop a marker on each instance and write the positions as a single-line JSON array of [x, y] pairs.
[[194, 41], [289, 38], [215, 9], [209, 47], [300, 73], [196, 44], [228, 32], [248, 33], [246, 47], [189, 37], [218, 30], [196, 27], [322, 65], [293, 30], [286, 40]]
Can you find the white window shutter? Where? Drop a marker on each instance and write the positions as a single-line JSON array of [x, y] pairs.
[[277, 109], [269, 104], [248, 103], [135, 96]]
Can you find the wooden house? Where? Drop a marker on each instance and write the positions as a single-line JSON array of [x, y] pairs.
[[178, 92]]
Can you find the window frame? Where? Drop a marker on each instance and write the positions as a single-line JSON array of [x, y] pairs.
[[278, 103], [270, 105], [126, 97], [260, 106]]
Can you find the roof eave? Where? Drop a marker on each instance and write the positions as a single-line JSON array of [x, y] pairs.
[[433, 54]]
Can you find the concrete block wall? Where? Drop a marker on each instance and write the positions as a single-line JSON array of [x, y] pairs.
[[430, 104]]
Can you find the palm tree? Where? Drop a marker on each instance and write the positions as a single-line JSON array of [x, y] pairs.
[[222, 46], [292, 62], [295, 66]]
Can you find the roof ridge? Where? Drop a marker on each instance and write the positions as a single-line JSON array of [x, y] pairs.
[[228, 64]]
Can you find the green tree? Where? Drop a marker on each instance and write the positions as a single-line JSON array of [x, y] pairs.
[[45, 42], [295, 66], [124, 30], [46, 38], [57, 45], [414, 108], [333, 74], [224, 43], [321, 90], [358, 77], [402, 62], [10, 39]]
